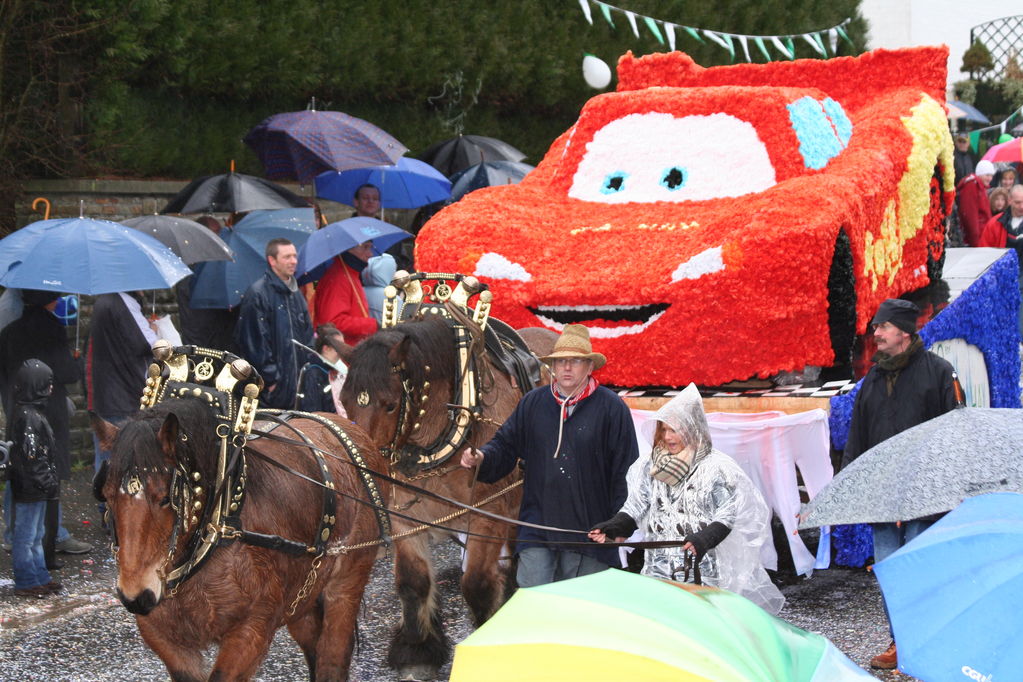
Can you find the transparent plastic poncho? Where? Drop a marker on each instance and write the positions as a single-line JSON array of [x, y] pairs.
[[716, 489]]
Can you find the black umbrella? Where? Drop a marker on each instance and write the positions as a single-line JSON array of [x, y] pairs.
[[487, 174], [458, 153], [192, 242], [230, 193]]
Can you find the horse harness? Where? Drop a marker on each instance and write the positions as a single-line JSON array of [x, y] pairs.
[[465, 409], [211, 510]]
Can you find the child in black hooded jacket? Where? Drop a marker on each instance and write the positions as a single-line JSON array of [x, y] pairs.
[[33, 477]]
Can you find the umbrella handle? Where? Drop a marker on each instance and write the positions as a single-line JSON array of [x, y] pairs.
[[43, 200]]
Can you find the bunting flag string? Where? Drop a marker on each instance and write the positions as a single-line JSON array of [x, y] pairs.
[[820, 40]]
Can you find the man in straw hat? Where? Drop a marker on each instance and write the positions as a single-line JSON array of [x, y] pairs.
[[576, 440]]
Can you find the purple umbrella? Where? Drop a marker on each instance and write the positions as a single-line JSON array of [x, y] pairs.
[[303, 144]]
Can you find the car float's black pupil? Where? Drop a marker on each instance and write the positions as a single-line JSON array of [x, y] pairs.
[[674, 178], [615, 183]]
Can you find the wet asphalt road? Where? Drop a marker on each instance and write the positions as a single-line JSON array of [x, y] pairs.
[[84, 634]]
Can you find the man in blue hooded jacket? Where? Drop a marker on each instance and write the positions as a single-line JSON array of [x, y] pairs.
[[273, 313]]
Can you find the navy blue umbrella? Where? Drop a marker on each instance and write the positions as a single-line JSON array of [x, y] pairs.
[[487, 174], [303, 144], [221, 284], [338, 237], [410, 183], [86, 256]]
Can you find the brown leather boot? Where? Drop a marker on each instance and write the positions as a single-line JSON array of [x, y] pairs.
[[889, 660]]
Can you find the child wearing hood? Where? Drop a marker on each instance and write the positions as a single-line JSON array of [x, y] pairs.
[[686, 490], [33, 478]]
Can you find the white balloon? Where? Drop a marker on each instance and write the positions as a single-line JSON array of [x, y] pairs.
[[596, 72]]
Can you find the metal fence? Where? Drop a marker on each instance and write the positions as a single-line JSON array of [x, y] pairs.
[[1003, 38]]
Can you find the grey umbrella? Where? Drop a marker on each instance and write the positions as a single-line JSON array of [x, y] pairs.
[[191, 241], [927, 469]]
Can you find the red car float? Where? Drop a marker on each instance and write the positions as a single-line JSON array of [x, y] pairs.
[[716, 224]]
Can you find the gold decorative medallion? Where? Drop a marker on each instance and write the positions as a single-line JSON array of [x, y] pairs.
[[363, 399], [204, 370], [133, 486]]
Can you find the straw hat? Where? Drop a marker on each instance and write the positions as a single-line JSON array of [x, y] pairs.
[[574, 342]]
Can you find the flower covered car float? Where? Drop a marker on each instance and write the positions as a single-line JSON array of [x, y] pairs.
[[715, 224]]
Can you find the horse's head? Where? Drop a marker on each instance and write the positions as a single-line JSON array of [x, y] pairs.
[[399, 383], [154, 469]]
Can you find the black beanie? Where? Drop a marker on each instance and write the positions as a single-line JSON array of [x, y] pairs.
[[902, 314], [37, 297]]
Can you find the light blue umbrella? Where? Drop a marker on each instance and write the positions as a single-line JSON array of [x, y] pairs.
[[86, 256], [409, 183], [221, 284], [338, 237], [955, 593]]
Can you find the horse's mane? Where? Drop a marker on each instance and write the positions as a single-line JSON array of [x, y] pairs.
[[431, 341], [137, 448]]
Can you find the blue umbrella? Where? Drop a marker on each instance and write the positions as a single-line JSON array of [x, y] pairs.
[[338, 237], [487, 174], [957, 110], [86, 256], [303, 144], [955, 593], [410, 183], [221, 284]]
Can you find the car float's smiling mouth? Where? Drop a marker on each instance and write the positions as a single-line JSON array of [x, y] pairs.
[[604, 322]]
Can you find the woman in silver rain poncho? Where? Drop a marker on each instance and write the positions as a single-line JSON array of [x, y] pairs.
[[686, 489]]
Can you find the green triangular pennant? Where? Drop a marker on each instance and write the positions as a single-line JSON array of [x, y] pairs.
[[606, 11], [692, 31], [792, 47], [652, 25], [841, 32], [763, 48]]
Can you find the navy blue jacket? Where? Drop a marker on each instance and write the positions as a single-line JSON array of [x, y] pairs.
[[585, 484], [270, 316]]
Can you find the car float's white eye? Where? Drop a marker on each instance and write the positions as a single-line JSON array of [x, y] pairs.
[[660, 157], [495, 266], [704, 263]]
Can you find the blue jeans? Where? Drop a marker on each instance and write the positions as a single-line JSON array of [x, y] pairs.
[[103, 455], [540, 566], [27, 552], [62, 532], [888, 537]]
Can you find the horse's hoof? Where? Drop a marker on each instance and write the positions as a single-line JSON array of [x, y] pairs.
[[417, 673]]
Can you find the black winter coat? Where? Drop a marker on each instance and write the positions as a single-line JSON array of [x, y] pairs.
[[38, 334], [271, 316], [33, 474], [117, 360], [923, 391], [315, 394]]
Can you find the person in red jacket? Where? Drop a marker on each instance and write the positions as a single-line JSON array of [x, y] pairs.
[[974, 207], [340, 298]]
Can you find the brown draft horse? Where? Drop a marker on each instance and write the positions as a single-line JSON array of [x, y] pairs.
[[242, 594], [421, 351]]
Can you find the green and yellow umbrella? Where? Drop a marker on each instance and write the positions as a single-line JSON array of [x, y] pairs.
[[618, 626]]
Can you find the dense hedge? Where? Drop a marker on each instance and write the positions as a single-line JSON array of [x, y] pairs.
[[169, 87]]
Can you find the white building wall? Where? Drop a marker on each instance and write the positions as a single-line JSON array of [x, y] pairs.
[[910, 23]]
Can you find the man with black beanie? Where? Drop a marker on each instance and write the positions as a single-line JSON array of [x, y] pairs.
[[907, 385]]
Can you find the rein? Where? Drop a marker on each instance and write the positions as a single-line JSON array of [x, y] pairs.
[[651, 544]]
